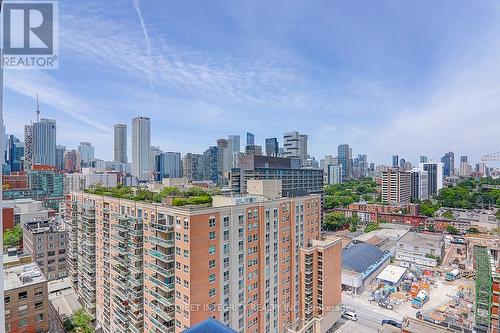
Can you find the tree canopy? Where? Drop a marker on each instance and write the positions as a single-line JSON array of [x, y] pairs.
[[343, 194], [13, 237]]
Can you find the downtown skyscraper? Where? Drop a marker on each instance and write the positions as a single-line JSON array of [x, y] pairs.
[[141, 148], [448, 161], [40, 143], [344, 159], [120, 143]]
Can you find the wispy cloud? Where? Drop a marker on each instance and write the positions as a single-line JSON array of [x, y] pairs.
[[137, 7], [51, 92]]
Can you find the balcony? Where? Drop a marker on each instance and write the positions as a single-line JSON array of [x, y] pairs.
[[161, 241], [162, 256], [167, 272], [164, 285], [162, 313], [167, 301], [161, 227]]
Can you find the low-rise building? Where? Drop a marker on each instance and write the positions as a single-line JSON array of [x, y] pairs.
[[14, 258], [83, 180], [392, 276], [25, 299], [420, 249], [46, 241], [361, 263]]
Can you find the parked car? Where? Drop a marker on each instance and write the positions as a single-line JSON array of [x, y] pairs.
[[392, 323], [351, 315]]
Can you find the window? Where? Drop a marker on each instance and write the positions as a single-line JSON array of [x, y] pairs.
[[211, 222], [38, 291], [22, 295], [38, 305], [211, 264], [211, 249], [211, 292], [211, 235], [211, 278], [39, 317], [23, 322], [23, 309], [186, 224], [186, 254], [6, 299], [186, 239]]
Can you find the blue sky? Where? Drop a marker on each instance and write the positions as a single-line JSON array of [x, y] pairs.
[[409, 77]]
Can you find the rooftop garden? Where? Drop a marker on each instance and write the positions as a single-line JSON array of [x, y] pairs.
[[193, 196]]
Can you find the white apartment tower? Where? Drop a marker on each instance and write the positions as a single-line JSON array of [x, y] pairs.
[[141, 148]]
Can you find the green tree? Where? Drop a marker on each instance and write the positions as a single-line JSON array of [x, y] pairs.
[[13, 237], [82, 322], [452, 230], [353, 222], [427, 208], [371, 227], [448, 214], [431, 228], [335, 221]]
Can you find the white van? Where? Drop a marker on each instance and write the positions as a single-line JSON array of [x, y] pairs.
[[350, 315]]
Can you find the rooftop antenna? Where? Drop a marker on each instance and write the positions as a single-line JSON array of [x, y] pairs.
[[37, 110]]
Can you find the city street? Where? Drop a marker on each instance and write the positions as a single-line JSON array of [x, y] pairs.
[[370, 316]]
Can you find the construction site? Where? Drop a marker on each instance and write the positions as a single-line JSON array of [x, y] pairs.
[[460, 294]]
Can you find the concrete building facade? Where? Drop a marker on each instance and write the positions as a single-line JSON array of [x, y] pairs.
[[396, 187], [141, 148]]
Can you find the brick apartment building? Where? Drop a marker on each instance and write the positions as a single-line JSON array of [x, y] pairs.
[[256, 264], [26, 299], [46, 242]]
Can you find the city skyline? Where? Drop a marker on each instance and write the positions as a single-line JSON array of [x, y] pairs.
[[200, 93]]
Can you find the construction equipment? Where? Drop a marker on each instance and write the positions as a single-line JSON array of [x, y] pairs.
[[421, 298], [452, 275]]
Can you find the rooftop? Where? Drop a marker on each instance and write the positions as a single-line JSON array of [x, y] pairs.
[[22, 276], [359, 257], [63, 297], [43, 226], [418, 238], [392, 274]]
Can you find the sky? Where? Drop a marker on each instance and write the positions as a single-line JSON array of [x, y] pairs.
[[415, 77]]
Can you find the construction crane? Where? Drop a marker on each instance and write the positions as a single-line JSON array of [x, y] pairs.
[[491, 157]]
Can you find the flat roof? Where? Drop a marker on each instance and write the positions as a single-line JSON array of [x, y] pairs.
[[63, 297], [392, 273], [23, 275], [416, 238]]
